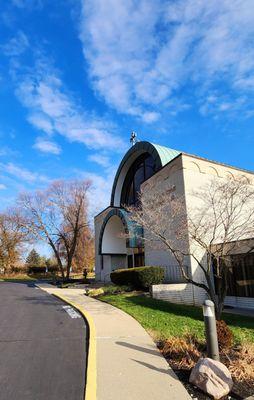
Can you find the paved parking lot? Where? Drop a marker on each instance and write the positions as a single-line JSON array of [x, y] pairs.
[[42, 346]]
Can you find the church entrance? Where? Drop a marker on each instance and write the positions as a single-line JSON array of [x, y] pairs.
[[120, 245], [136, 260]]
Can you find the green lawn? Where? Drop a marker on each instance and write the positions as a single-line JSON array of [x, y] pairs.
[[163, 320], [17, 278]]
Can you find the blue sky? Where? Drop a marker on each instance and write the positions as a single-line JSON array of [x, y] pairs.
[[76, 77]]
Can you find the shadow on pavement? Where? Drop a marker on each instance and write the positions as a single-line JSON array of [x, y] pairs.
[[167, 371], [142, 349]]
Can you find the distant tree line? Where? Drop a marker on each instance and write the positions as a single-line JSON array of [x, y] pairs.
[[57, 216]]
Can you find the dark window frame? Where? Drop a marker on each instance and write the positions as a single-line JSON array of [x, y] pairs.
[[144, 163], [240, 275]]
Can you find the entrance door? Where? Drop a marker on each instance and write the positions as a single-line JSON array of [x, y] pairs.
[[139, 259], [130, 261]]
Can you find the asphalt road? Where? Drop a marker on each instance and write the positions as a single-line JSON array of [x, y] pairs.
[[42, 346]]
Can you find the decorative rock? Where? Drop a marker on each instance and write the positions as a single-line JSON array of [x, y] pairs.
[[212, 377]]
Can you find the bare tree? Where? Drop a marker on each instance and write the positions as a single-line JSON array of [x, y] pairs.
[[57, 216], [84, 254], [83, 258], [12, 240], [208, 233]]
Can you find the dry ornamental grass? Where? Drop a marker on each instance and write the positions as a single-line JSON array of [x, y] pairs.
[[240, 362], [183, 353]]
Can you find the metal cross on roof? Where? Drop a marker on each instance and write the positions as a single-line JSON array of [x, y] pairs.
[[133, 138]]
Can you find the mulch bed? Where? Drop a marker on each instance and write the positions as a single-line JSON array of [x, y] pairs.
[[195, 393], [240, 391]]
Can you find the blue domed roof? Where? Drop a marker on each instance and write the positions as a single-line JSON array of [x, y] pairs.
[[165, 153], [161, 155]]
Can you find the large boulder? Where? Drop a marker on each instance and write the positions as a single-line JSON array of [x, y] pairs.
[[211, 377]]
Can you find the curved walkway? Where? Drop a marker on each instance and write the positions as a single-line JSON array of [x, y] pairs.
[[129, 365]]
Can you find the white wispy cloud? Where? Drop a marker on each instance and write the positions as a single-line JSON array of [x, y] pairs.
[[22, 173], [142, 54], [47, 146], [41, 122], [216, 104], [100, 159], [54, 110], [16, 45], [2, 186], [6, 151]]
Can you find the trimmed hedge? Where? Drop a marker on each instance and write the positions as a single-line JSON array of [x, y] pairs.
[[53, 268], [139, 278], [36, 270], [42, 270]]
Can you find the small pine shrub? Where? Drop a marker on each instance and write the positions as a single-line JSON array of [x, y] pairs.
[[225, 336]]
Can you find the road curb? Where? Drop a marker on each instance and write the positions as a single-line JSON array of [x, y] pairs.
[[91, 373]]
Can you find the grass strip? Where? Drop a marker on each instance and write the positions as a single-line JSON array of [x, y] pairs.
[[164, 320]]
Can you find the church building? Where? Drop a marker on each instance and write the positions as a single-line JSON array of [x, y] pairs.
[[118, 244]]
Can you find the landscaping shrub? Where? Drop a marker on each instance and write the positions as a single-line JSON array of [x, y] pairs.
[[182, 353], [139, 278], [95, 292], [42, 269], [19, 270], [36, 270], [123, 276], [147, 276], [240, 364], [114, 289], [225, 336], [53, 268], [108, 290]]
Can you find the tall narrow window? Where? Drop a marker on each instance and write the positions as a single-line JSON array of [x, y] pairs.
[[142, 169]]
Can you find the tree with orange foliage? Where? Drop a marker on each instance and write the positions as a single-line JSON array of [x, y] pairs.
[[57, 216]]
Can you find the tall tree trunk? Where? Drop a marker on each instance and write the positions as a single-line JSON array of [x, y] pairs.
[[59, 262], [222, 291], [222, 288], [68, 269], [62, 270]]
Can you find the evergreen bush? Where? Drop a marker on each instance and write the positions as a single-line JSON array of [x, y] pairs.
[[37, 270], [139, 277]]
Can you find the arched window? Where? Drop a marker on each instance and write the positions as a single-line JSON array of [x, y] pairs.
[[142, 169]]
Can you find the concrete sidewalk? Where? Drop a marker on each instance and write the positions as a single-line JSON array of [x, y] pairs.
[[129, 365]]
